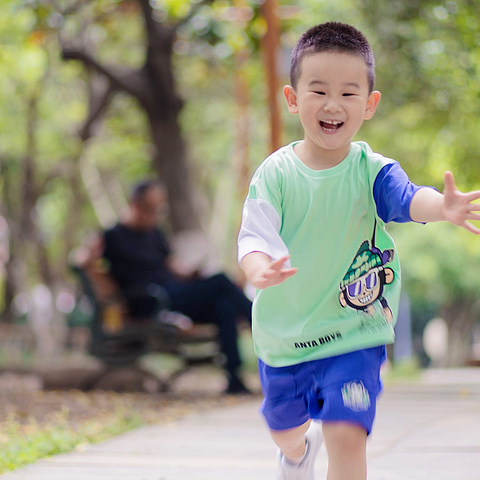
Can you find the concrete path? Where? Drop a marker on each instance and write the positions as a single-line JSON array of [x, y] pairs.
[[424, 431]]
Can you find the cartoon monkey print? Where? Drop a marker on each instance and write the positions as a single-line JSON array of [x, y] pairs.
[[364, 281]]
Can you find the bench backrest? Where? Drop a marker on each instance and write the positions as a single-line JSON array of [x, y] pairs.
[[109, 310]]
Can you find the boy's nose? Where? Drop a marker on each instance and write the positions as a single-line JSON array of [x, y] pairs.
[[332, 106]]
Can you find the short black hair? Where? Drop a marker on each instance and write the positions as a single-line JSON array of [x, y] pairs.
[[141, 188], [336, 37]]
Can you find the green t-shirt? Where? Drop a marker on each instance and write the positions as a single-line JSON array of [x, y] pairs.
[[345, 294]]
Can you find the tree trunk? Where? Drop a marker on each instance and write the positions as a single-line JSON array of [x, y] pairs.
[[21, 191], [172, 167], [10, 290], [270, 45], [153, 85], [30, 194], [460, 315], [7, 208]]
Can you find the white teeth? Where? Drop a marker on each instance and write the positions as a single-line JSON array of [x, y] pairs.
[[332, 122], [366, 299]]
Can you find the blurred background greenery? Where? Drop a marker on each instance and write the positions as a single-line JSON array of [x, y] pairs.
[[90, 88]]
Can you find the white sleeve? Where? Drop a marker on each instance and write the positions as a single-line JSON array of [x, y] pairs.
[[260, 231]]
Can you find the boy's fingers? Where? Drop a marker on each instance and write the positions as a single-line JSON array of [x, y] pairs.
[[275, 277], [282, 272], [261, 282], [449, 181], [471, 228], [288, 272], [277, 264], [471, 196]]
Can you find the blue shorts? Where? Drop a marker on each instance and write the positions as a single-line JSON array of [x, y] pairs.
[[342, 388]]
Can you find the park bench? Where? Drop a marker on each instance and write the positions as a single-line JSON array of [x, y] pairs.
[[119, 342]]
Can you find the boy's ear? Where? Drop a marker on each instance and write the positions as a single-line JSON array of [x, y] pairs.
[[372, 104], [291, 98]]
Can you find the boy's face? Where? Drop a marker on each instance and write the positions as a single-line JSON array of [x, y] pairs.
[[332, 99]]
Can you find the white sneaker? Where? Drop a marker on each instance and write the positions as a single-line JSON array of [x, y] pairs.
[[305, 469]]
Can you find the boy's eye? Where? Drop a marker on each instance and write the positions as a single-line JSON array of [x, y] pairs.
[[320, 93], [348, 94]]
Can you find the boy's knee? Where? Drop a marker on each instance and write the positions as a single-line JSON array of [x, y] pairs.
[[345, 436], [291, 438]]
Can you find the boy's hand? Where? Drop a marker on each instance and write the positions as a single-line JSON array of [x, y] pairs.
[[273, 274], [458, 206], [262, 272]]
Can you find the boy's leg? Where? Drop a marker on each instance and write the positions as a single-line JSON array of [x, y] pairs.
[[292, 441], [349, 403], [285, 410], [346, 447], [299, 448]]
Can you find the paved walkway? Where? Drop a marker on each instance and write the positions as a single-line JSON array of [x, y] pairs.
[[426, 431]]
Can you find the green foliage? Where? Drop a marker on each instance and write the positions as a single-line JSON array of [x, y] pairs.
[[439, 262], [428, 70], [34, 73]]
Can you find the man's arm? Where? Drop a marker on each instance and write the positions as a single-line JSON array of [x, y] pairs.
[[184, 259], [89, 252], [262, 272], [453, 206]]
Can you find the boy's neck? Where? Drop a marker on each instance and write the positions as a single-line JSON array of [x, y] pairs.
[[320, 159]]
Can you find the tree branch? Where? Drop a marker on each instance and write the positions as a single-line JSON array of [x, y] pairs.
[[192, 12], [150, 23], [101, 90], [74, 7], [128, 80]]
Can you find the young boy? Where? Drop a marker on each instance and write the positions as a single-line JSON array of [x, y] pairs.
[[313, 243]]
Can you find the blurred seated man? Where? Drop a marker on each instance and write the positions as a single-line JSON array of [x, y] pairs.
[[139, 258]]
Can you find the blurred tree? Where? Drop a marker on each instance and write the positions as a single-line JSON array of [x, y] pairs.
[[112, 143], [270, 43], [26, 69], [428, 69], [152, 84], [43, 201], [442, 271]]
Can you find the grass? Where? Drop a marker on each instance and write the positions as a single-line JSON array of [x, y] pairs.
[[24, 444], [404, 371]]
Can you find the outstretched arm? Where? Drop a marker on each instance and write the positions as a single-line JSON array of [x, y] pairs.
[[453, 206], [262, 272]]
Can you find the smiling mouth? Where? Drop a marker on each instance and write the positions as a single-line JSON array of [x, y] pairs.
[[366, 299], [331, 125]]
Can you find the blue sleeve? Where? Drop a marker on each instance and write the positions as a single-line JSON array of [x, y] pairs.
[[393, 192]]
